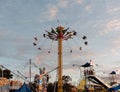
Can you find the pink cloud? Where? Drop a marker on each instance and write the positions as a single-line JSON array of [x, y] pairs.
[[112, 25]]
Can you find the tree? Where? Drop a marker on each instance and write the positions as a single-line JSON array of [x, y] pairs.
[[66, 84], [50, 87], [0, 72], [66, 79], [7, 74], [66, 87]]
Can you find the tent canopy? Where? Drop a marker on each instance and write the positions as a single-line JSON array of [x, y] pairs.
[[113, 72], [23, 88], [115, 88], [86, 65]]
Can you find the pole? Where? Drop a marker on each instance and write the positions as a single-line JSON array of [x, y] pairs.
[[60, 62], [15, 73], [30, 69], [80, 74], [79, 71]]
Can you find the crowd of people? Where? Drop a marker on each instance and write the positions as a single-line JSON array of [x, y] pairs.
[[52, 87]]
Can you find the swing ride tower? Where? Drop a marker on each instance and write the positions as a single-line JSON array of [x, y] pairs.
[[59, 34], [60, 38]]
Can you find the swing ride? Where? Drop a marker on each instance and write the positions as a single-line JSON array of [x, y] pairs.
[[60, 34]]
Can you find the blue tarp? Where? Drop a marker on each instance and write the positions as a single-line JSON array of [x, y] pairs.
[[23, 88], [113, 72], [86, 65], [115, 88]]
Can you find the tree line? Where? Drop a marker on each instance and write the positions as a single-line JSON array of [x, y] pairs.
[[6, 73]]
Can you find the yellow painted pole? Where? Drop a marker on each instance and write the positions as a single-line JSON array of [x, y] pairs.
[[60, 62]]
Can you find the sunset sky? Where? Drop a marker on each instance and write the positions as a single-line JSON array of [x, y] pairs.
[[22, 20]]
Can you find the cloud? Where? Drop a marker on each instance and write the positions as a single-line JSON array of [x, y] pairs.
[[88, 7], [113, 10], [63, 3], [38, 59], [115, 46], [52, 12], [112, 25], [79, 1], [4, 33]]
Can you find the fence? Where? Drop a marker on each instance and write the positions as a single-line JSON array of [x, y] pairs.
[[4, 88]]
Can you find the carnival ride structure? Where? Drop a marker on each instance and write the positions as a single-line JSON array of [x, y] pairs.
[[59, 34]]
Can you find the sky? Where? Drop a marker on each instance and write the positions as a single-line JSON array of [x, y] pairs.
[[22, 20]]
